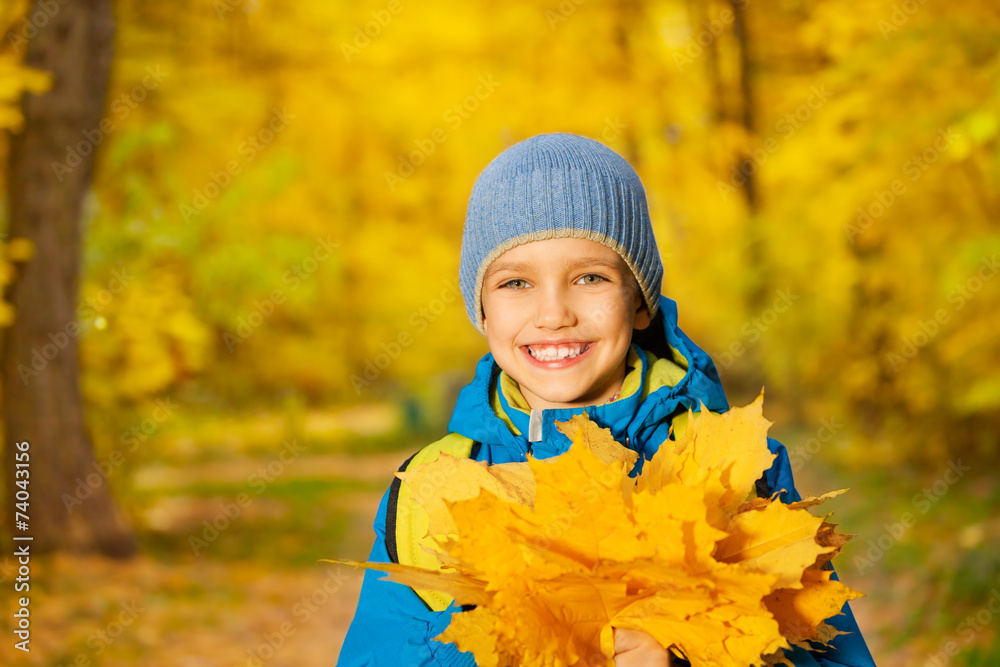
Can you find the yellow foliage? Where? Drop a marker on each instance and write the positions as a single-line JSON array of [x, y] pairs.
[[144, 330], [20, 249], [827, 135], [554, 566]]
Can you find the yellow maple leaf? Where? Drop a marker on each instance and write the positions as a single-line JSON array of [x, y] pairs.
[[449, 479], [776, 540], [812, 502], [800, 612], [729, 450], [464, 588], [580, 430], [828, 536]]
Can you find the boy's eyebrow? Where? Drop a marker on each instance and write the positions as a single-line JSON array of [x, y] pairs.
[[519, 267]]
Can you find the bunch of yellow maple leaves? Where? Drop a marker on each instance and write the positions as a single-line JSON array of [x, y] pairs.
[[556, 553]]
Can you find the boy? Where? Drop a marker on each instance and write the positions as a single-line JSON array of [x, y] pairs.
[[560, 271]]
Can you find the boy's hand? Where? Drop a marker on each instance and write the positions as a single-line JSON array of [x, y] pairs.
[[635, 648]]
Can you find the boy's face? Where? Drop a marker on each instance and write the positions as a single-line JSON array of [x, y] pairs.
[[557, 296]]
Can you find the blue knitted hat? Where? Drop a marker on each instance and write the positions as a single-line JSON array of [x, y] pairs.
[[555, 186]]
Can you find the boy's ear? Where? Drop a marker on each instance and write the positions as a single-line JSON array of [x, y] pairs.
[[642, 318]]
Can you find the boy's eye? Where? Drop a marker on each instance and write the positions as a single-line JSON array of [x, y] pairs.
[[589, 279]]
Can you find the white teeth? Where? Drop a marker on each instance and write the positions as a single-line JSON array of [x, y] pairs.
[[553, 353]]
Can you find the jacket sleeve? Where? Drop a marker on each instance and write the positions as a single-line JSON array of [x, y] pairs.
[[392, 626], [848, 650]]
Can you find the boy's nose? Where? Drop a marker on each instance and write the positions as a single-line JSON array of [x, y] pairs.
[[553, 310]]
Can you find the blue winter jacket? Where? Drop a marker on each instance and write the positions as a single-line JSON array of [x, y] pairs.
[[393, 626]]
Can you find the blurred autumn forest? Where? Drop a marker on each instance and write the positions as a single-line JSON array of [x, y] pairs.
[[268, 317]]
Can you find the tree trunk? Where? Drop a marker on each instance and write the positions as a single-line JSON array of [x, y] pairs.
[[50, 165]]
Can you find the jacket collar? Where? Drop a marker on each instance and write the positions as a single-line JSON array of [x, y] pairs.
[[539, 426], [681, 380]]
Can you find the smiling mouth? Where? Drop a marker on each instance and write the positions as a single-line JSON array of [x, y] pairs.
[[557, 352]]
